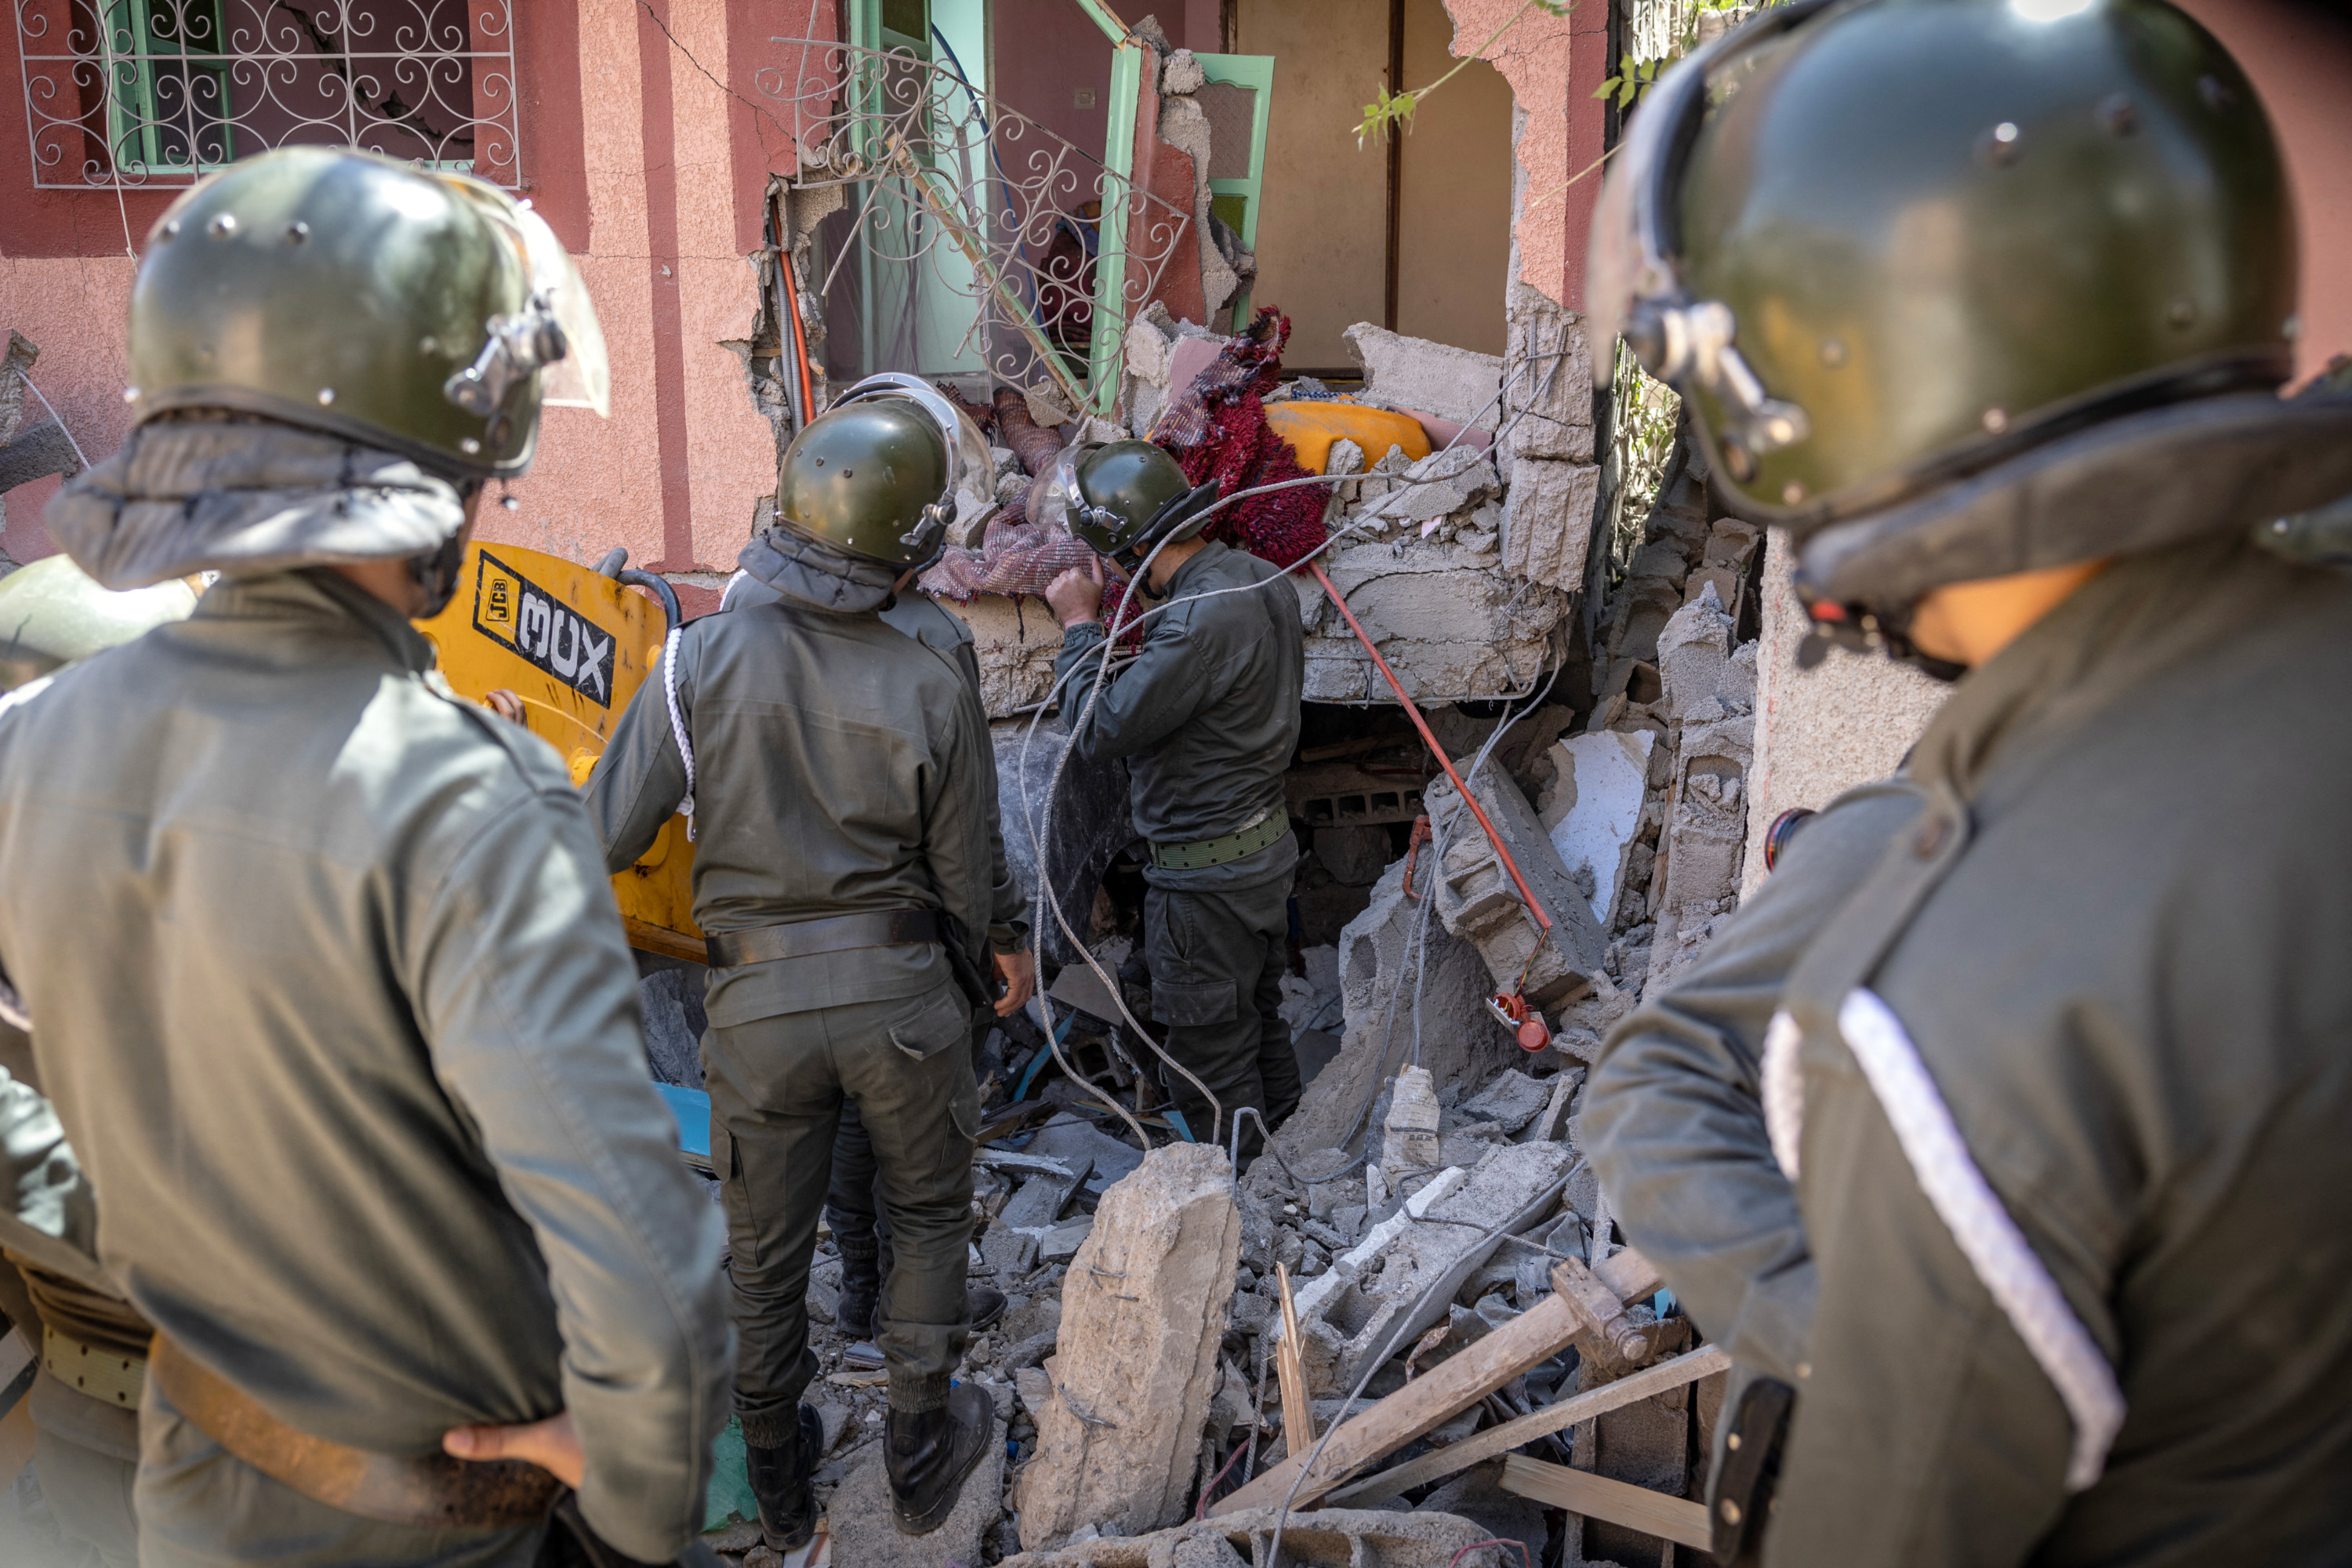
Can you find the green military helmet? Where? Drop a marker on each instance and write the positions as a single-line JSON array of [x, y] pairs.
[[428, 314], [878, 473], [53, 613], [1125, 496], [1884, 247]]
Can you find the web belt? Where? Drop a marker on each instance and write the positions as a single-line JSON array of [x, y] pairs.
[[1222, 851], [423, 1490], [834, 933], [107, 1377]]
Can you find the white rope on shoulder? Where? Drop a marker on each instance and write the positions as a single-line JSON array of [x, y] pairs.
[[1784, 1092], [1990, 1239], [677, 725]]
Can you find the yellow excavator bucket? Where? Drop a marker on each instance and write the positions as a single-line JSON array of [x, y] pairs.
[[574, 645]]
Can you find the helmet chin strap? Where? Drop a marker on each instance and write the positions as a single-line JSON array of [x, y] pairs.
[[436, 572], [1859, 628]]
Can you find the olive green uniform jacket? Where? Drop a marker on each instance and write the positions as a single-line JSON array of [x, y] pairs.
[[330, 992], [1207, 714], [921, 618], [848, 769], [2109, 908]]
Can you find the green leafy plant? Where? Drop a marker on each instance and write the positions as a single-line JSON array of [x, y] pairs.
[[1388, 110]]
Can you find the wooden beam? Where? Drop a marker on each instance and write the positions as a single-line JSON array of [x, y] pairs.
[[1646, 1383], [1615, 1503], [1443, 1392]]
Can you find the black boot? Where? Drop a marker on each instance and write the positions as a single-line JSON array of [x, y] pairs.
[[779, 1481], [929, 1452]]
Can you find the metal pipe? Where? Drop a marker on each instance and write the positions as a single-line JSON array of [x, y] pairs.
[[633, 577]]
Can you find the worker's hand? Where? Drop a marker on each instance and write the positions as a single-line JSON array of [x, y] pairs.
[[1076, 596], [505, 704], [552, 1445], [1018, 973]]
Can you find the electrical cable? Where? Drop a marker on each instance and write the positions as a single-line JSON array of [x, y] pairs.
[[62, 429], [1282, 1515], [1112, 638]]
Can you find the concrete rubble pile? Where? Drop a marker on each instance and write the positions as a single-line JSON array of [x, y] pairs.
[[1476, 1349]]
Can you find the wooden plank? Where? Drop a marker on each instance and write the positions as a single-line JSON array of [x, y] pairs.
[[1650, 1381], [1617, 1502], [1435, 1397], [1297, 1409]]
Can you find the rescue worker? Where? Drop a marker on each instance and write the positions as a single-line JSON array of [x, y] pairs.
[[1208, 716], [322, 970], [91, 1344], [838, 778], [854, 1207], [2002, 1132]]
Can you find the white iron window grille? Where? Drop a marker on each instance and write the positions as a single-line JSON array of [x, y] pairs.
[[125, 94], [966, 236]]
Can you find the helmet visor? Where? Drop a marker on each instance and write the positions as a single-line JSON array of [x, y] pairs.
[[582, 378], [968, 460]]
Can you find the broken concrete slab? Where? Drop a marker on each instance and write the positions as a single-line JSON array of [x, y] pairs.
[[1438, 486], [1427, 377], [1593, 810], [864, 1536], [1403, 978], [1359, 1538], [1511, 1101], [1017, 641], [1143, 1311], [1073, 1142], [1548, 398], [1547, 522], [1399, 1280], [1452, 626], [1696, 660], [1480, 902]]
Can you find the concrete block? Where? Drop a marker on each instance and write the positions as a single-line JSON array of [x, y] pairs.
[[1008, 1253], [1480, 902], [1509, 1103], [1548, 520], [1060, 1242], [1820, 732], [1694, 658], [1409, 1145], [1441, 484], [864, 1535], [1426, 377], [1600, 780], [1143, 1312]]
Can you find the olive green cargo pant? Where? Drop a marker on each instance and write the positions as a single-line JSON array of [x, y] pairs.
[[1217, 961], [777, 1085]]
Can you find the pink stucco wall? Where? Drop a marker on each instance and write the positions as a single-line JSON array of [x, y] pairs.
[[596, 483], [1548, 61]]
